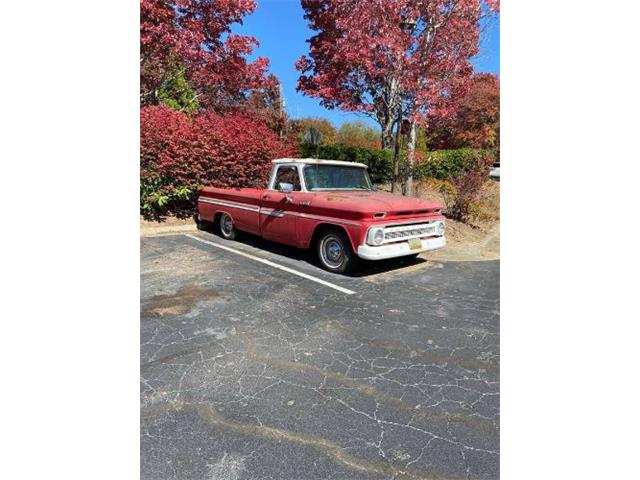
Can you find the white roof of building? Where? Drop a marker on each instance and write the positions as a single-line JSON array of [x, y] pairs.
[[319, 161]]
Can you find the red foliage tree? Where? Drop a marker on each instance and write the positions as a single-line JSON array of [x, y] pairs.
[[195, 34], [178, 154], [355, 59], [476, 118], [391, 60]]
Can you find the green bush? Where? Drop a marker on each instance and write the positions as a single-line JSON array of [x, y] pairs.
[[380, 162], [444, 164], [439, 164]]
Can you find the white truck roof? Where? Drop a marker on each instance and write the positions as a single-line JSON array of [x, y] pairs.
[[318, 161]]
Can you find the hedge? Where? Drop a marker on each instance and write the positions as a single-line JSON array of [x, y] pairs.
[[443, 164], [440, 164], [179, 154]]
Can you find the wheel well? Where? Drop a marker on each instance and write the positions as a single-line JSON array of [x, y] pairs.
[[324, 227]]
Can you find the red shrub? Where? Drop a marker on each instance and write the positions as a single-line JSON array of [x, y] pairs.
[[179, 154], [468, 185]]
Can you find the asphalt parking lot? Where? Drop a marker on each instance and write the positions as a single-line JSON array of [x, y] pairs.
[[250, 370]]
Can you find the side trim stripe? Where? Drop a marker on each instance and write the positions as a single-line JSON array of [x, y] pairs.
[[328, 219], [272, 213], [275, 213], [225, 203]]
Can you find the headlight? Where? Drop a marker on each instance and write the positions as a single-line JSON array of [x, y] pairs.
[[376, 236], [440, 228]]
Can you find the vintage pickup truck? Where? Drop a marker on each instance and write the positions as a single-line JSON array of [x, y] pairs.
[[330, 206]]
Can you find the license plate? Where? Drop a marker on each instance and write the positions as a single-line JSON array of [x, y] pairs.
[[415, 243]]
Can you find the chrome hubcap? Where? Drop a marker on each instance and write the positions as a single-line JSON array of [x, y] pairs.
[[226, 225], [332, 251]]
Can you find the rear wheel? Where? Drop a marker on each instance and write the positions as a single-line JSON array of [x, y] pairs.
[[227, 227], [334, 252], [202, 224]]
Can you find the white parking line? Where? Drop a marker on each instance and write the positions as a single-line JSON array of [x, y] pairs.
[[275, 265]]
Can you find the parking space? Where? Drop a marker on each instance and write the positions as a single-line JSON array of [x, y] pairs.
[[255, 364]]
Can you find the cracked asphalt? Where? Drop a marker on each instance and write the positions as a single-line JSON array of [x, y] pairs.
[[249, 372]]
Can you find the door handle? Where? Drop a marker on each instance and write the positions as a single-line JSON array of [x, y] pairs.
[[266, 197], [288, 199]]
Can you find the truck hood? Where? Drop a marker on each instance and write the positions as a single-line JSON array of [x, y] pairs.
[[368, 203]]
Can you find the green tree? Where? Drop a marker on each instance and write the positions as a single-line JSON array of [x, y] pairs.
[[176, 93], [328, 133], [359, 134]]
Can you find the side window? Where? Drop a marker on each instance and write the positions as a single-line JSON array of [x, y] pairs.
[[288, 175]]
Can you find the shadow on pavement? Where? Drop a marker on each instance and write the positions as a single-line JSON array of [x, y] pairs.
[[364, 268]]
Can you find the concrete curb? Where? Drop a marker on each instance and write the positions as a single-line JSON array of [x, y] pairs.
[[168, 229]]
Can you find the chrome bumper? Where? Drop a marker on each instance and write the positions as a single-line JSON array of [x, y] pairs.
[[399, 249]]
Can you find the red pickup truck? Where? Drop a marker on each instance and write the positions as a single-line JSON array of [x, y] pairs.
[[330, 206]]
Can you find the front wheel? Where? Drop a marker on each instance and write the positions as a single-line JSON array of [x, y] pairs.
[[334, 252]]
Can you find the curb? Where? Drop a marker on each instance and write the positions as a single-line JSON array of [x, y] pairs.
[[153, 231]]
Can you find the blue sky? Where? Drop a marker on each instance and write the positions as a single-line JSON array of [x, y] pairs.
[[281, 29]]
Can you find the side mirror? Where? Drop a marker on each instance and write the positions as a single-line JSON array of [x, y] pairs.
[[285, 187]]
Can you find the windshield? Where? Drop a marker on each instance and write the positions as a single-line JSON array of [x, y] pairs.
[[336, 177]]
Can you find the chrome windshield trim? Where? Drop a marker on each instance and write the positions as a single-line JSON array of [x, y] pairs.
[[303, 168]]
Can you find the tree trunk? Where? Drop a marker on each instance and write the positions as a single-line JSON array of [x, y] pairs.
[[411, 159], [386, 136], [386, 109], [395, 182]]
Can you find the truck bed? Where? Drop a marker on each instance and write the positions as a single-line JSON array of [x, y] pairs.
[[245, 203]]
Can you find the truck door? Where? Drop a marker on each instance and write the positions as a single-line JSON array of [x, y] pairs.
[[278, 207]]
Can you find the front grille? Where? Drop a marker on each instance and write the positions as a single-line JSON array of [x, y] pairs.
[[396, 234]]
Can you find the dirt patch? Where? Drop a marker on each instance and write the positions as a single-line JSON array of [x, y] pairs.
[[166, 226], [475, 241], [166, 222], [178, 303], [468, 244]]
